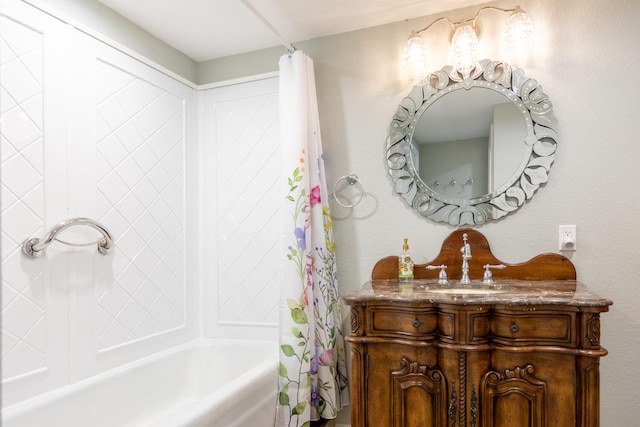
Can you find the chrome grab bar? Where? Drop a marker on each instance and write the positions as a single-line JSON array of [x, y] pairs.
[[35, 247]]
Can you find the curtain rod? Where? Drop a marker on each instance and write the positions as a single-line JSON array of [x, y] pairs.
[[291, 48]]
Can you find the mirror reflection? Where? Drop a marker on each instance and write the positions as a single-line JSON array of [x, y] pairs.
[[469, 143]]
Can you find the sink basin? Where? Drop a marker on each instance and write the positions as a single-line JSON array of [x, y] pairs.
[[466, 291]]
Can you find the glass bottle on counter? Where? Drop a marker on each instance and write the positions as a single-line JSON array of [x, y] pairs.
[[405, 264]]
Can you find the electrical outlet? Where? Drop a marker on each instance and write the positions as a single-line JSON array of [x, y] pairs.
[[567, 237]]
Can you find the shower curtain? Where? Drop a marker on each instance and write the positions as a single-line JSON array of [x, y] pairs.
[[312, 370]]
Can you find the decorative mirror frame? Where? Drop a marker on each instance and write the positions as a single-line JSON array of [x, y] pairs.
[[540, 141]]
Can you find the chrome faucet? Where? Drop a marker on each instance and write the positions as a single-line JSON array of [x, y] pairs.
[[466, 256]]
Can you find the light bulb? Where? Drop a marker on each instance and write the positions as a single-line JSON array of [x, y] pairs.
[[518, 37], [415, 58], [464, 49]]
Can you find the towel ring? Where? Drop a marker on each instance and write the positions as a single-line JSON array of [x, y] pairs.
[[352, 179], [35, 247]]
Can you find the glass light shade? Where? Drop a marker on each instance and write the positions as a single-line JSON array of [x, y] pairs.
[[415, 58], [518, 37], [464, 49]]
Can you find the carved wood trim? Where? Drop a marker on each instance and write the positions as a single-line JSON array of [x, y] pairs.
[[357, 382], [549, 266], [593, 330], [589, 405], [462, 376], [516, 383], [355, 321]]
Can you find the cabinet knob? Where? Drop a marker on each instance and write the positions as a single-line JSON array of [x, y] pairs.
[[514, 328], [416, 323]]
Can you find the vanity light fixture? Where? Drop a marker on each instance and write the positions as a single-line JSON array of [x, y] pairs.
[[463, 52]]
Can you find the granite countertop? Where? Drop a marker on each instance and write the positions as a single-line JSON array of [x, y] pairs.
[[504, 292]]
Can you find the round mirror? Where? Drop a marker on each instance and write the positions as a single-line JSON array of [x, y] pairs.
[[465, 151]]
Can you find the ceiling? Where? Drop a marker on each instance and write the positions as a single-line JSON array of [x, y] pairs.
[[209, 29]]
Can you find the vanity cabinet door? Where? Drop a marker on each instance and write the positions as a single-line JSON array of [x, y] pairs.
[[529, 389], [403, 387], [533, 375]]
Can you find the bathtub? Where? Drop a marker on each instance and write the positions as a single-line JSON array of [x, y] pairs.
[[213, 383]]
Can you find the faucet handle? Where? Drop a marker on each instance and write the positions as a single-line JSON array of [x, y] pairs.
[[442, 276], [487, 278]]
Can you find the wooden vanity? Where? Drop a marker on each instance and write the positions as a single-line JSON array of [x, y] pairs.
[[522, 352]]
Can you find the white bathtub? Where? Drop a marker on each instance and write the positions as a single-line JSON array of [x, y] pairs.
[[213, 383]]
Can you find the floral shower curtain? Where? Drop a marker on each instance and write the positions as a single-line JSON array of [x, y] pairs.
[[312, 371]]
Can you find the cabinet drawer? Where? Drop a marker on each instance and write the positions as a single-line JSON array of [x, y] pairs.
[[541, 328], [402, 322]]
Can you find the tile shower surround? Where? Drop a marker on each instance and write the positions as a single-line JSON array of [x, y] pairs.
[[140, 195], [139, 121], [22, 173]]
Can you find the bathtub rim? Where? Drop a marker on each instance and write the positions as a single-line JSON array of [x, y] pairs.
[[50, 397]]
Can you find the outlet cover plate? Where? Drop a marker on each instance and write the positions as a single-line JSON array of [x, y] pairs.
[[567, 237]]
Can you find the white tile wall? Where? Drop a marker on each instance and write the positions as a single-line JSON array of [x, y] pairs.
[[140, 164], [88, 131], [249, 206], [117, 151], [24, 296]]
